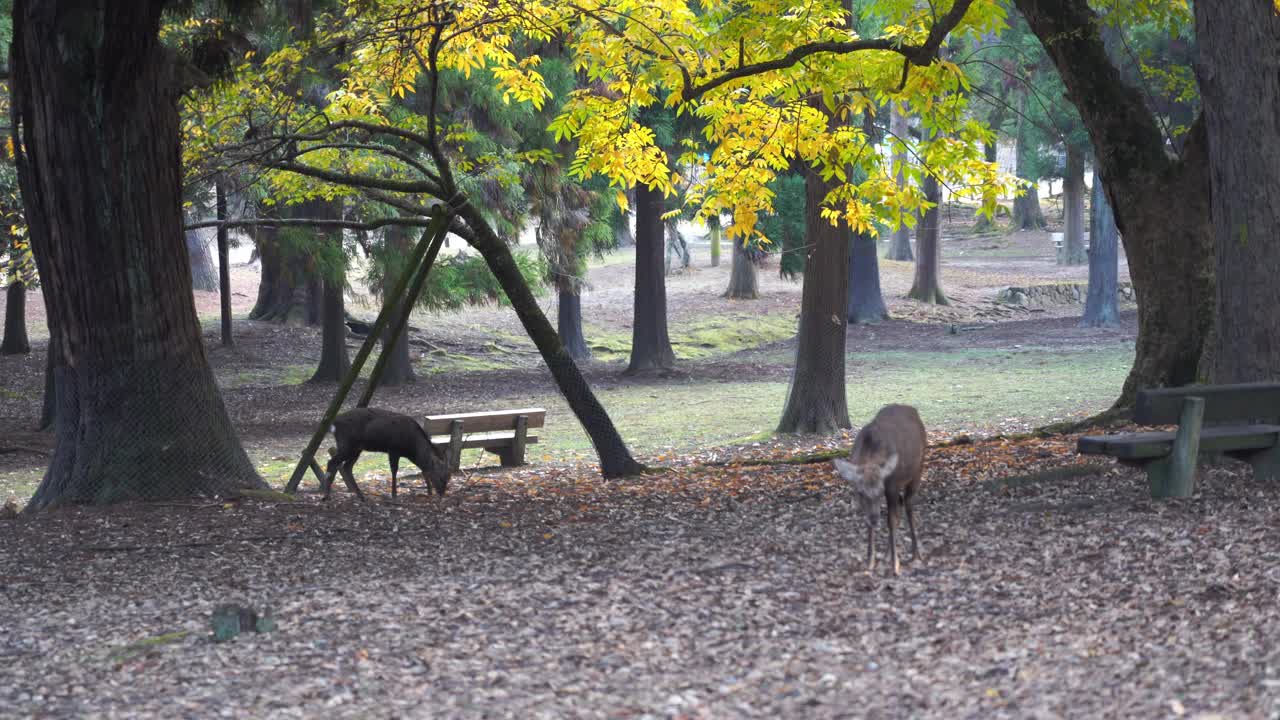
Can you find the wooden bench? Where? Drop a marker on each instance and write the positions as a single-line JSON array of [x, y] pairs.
[[502, 432], [1240, 421]]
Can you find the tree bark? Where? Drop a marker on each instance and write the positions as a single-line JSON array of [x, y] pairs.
[[1239, 73], [866, 303], [677, 246], [288, 281], [650, 344], [49, 406], [224, 262], [743, 281], [139, 414], [615, 458], [900, 243], [927, 286], [816, 401], [203, 276], [713, 233], [1101, 307], [1072, 251], [399, 368], [1161, 203], [569, 322], [15, 319]]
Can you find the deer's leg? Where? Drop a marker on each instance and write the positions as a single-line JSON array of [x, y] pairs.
[[911, 524], [326, 483], [350, 479], [894, 517], [871, 547], [395, 467]]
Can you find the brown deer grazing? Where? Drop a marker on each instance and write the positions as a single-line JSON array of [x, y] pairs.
[[887, 460], [399, 436]]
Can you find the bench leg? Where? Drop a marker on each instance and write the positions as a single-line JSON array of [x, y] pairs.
[[1175, 475], [455, 445], [514, 455]]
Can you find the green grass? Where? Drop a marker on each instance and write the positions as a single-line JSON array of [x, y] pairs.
[[719, 335]]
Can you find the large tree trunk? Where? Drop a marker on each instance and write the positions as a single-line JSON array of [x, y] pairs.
[[203, 276], [1027, 214], [286, 290], [569, 322], [15, 319], [1239, 73], [927, 286], [900, 243], [399, 368], [615, 459], [49, 406], [1072, 251], [743, 282], [816, 401], [1101, 307], [866, 303], [224, 261], [1161, 204], [139, 415], [650, 344]]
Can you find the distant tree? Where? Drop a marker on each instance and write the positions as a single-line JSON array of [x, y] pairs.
[[650, 343], [1101, 305], [900, 240], [743, 283]]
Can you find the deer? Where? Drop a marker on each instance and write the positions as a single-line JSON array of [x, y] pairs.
[[887, 459], [383, 431]]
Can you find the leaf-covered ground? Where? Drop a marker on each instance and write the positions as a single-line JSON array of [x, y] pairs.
[[1050, 588]]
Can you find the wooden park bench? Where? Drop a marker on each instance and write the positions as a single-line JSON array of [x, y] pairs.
[[502, 432], [1239, 421]]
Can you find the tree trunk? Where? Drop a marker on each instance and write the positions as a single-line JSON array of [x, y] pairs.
[[334, 360], [288, 281], [15, 320], [1072, 251], [866, 303], [650, 344], [49, 407], [743, 282], [1027, 214], [399, 368], [224, 262], [1161, 204], [677, 246], [615, 459], [139, 414], [816, 401], [927, 286], [900, 243], [1101, 307], [203, 276], [622, 235], [569, 322], [1239, 73], [713, 233]]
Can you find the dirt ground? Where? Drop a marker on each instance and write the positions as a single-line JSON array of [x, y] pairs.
[[728, 582]]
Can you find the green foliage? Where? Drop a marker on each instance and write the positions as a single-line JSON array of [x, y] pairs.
[[785, 224], [465, 279]]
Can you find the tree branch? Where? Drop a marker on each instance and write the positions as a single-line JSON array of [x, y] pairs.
[[313, 222]]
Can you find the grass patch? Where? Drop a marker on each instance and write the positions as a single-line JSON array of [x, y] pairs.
[[720, 335]]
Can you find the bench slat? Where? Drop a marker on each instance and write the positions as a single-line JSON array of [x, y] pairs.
[[483, 440], [1150, 445], [478, 422], [1222, 403]]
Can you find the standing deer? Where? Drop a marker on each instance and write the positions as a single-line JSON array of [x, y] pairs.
[[386, 432], [888, 460]]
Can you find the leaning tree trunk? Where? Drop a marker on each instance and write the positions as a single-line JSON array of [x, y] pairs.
[[816, 401], [224, 261], [203, 276], [399, 368], [15, 319], [615, 459], [1101, 306], [139, 414], [1239, 73], [743, 282], [1161, 204], [900, 242], [650, 344], [927, 286], [866, 303], [1072, 251]]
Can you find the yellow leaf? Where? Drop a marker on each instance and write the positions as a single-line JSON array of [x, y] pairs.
[[621, 199], [504, 524]]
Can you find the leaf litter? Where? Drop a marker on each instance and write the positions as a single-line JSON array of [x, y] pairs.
[[715, 587]]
